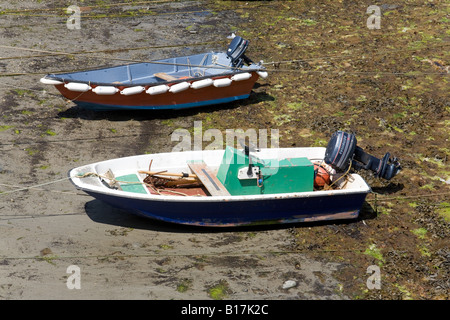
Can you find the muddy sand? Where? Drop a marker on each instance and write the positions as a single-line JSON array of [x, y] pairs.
[[48, 229]]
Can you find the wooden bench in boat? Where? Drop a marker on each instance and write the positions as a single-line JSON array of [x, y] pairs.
[[209, 180], [164, 76]]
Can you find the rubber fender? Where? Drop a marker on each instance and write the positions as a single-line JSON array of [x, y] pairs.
[[202, 83], [105, 90], [132, 90], [157, 89], [225, 82], [79, 87]]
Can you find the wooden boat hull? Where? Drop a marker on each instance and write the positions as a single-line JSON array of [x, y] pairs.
[[189, 98], [221, 211]]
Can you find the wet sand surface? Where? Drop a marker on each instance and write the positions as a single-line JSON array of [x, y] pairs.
[[49, 226]]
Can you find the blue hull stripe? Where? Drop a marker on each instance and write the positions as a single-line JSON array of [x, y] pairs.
[[235, 213], [104, 107]]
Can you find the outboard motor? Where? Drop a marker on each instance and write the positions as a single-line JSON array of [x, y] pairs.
[[342, 149], [236, 51]]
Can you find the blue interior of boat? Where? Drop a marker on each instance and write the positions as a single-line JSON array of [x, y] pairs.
[[194, 66]]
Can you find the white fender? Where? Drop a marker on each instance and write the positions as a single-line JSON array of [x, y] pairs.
[[50, 81], [262, 74], [202, 83], [179, 87], [80, 87], [241, 76], [225, 82], [105, 90], [157, 89], [132, 90]]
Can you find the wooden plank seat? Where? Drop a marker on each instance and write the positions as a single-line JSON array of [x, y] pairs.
[[165, 76], [209, 180]]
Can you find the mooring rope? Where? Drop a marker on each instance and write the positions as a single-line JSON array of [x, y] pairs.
[[220, 66], [56, 53], [213, 66], [89, 174], [34, 186]]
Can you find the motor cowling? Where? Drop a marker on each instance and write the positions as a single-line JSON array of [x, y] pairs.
[[236, 51], [342, 151]]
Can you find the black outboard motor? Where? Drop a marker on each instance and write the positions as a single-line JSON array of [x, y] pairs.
[[236, 51], [342, 149]]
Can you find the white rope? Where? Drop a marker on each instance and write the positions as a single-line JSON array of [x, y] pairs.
[[122, 59], [33, 187], [38, 189]]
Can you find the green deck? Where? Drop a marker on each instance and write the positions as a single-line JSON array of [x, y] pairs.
[[131, 183]]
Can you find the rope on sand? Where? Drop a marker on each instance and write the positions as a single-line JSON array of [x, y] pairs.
[[33, 187]]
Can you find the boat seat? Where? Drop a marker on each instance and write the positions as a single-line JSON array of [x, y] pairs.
[[165, 76], [209, 180]]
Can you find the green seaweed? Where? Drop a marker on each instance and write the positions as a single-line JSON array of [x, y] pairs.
[[219, 291], [375, 252]]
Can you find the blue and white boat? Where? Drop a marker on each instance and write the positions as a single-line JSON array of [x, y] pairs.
[[224, 188]]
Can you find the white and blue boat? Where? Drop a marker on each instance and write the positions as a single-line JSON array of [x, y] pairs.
[[236, 188]]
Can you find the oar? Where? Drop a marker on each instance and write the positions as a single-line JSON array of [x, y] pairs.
[[165, 173]]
